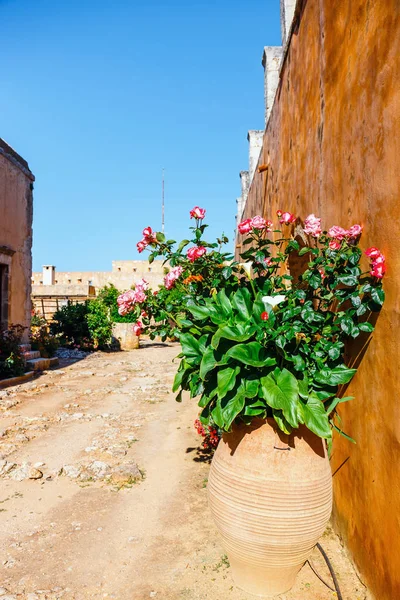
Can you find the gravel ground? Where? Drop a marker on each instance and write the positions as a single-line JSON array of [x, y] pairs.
[[103, 490]]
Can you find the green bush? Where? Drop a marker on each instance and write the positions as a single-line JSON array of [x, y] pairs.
[[71, 325], [99, 323], [12, 363]]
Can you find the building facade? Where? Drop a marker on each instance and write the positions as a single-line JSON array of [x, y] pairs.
[[16, 212]]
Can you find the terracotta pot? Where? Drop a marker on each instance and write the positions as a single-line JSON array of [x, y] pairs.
[[271, 498], [125, 335]]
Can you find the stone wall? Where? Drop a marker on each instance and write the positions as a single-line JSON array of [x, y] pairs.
[[332, 145], [16, 206], [123, 275]]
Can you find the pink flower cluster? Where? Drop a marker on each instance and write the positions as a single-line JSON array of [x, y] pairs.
[[312, 226], [148, 238], [378, 266], [127, 300], [256, 222], [339, 234], [172, 276], [196, 252], [198, 213]]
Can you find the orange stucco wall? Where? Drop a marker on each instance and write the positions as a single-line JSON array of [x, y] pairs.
[[16, 232], [333, 143]]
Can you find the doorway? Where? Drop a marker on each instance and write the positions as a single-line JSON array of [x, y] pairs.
[[3, 296]]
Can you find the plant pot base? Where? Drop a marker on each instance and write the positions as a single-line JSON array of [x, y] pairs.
[[271, 499], [262, 582]]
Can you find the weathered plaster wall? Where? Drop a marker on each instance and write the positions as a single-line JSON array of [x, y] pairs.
[[333, 145], [16, 231]]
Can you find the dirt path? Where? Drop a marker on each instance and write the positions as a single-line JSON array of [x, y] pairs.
[[119, 508]]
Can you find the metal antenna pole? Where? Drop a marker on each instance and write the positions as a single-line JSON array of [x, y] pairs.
[[162, 205]]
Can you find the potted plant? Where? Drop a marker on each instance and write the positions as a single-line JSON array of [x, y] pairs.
[[264, 351]]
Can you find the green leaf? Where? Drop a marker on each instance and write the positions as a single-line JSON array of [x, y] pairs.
[[378, 295], [303, 386], [281, 391], [178, 380], [237, 333], [333, 404], [191, 346], [232, 409], [222, 301], [199, 312], [334, 352], [160, 237], [350, 439], [250, 387], [226, 380], [316, 418], [281, 421], [204, 400], [217, 416], [368, 327], [252, 354], [336, 376], [226, 272], [182, 245], [348, 280], [256, 409], [179, 397], [208, 362], [241, 301], [304, 251]]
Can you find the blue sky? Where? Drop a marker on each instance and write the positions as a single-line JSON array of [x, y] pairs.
[[98, 96]]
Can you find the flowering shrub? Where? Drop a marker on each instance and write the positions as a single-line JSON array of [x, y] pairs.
[[194, 272], [258, 341]]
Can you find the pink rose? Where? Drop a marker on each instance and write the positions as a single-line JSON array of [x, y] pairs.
[[141, 245], [268, 262], [335, 245], [197, 213], [287, 218], [172, 276], [122, 310], [355, 231], [147, 232], [279, 213], [269, 226], [312, 226], [337, 232], [245, 226], [373, 252], [378, 267], [196, 252], [137, 328], [322, 273], [140, 296], [258, 222]]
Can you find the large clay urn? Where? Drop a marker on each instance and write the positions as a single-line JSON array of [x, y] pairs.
[[271, 498], [125, 335]]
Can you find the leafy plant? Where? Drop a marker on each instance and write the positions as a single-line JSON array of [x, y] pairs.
[[70, 324], [12, 363], [261, 341]]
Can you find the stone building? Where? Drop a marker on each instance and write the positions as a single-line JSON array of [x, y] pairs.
[[331, 147], [52, 289], [16, 209]]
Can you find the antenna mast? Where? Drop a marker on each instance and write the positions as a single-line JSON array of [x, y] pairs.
[[162, 204]]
